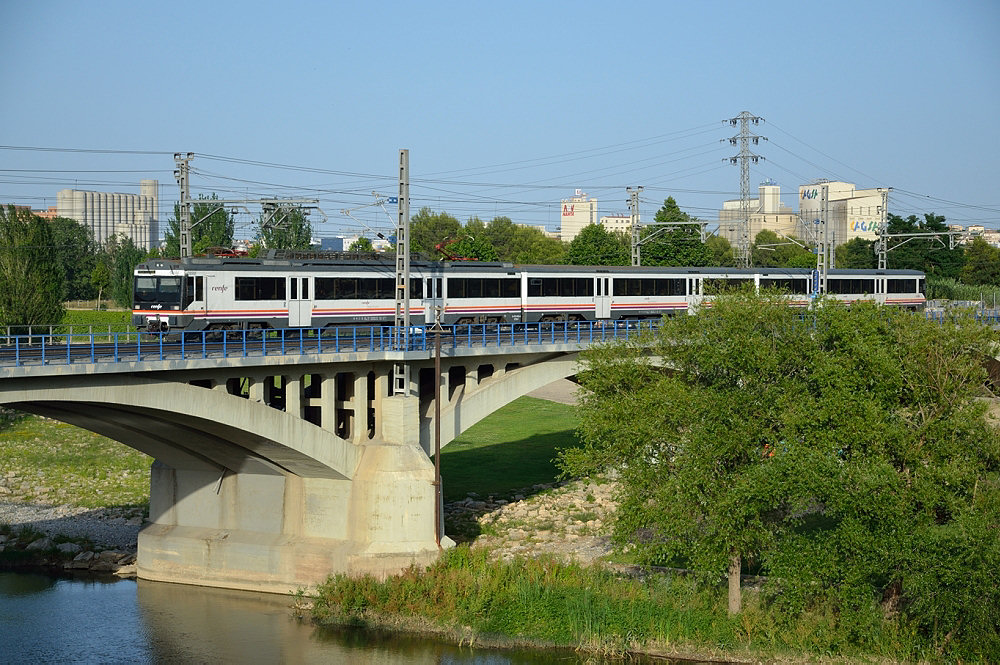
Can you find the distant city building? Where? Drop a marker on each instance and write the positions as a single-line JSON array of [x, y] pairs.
[[618, 223], [50, 213], [577, 213], [107, 214]]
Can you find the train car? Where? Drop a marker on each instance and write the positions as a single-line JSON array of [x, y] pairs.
[[241, 293]]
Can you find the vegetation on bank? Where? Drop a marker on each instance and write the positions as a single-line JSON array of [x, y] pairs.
[[469, 597]]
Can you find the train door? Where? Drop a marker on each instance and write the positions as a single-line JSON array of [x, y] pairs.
[[299, 302], [602, 297], [433, 299]]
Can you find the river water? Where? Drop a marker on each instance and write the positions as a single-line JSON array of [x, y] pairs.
[[45, 619]]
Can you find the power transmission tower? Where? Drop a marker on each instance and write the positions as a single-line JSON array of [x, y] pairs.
[[182, 176], [633, 206], [745, 158]]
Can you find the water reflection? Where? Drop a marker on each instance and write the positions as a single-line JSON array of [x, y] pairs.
[[47, 619]]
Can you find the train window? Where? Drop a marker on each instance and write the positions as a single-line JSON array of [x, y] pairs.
[[324, 288], [294, 288], [456, 288], [157, 290], [901, 285], [260, 288], [669, 287], [566, 287], [714, 286], [510, 288], [491, 288], [550, 286], [849, 286], [785, 285], [584, 286], [305, 288], [534, 286]]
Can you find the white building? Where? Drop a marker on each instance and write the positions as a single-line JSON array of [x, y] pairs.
[[618, 223], [107, 214], [577, 213]]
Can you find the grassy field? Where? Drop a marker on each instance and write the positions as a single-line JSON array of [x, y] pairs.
[[56, 463], [511, 449], [44, 461]]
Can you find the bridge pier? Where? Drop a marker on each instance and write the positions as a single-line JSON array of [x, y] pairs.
[[280, 532]]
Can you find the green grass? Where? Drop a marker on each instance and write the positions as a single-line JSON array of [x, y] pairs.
[[56, 463], [511, 449], [468, 596]]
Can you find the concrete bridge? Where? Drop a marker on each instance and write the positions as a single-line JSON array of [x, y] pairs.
[[273, 471]]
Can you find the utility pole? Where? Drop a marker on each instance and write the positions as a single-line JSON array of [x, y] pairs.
[[181, 174], [823, 243], [745, 158], [882, 242], [401, 370], [633, 206]]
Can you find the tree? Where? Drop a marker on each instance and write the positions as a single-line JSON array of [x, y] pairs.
[[773, 251], [74, 247], [100, 277], [846, 456], [982, 263], [517, 243], [428, 228], [121, 257], [362, 244], [927, 254], [596, 246], [289, 229], [212, 225], [856, 254], [673, 246], [31, 276], [720, 252], [476, 249]]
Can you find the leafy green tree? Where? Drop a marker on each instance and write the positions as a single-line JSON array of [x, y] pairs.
[[428, 228], [856, 254], [74, 247], [477, 249], [100, 277], [212, 225], [927, 254], [289, 229], [673, 246], [362, 244], [982, 263], [517, 243], [31, 276], [770, 250], [596, 246], [121, 257], [720, 252], [846, 456]]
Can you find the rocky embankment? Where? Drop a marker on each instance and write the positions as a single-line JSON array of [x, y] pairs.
[[566, 520], [66, 537]]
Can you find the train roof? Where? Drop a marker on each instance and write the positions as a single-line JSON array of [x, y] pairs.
[[388, 264]]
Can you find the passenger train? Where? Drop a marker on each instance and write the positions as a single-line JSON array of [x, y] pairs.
[[242, 293]]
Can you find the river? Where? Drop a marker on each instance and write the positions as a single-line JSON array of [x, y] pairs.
[[46, 619]]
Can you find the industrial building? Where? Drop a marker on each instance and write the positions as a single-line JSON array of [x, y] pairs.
[[854, 213], [110, 213]]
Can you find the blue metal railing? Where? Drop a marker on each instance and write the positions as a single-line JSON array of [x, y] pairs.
[[119, 347]]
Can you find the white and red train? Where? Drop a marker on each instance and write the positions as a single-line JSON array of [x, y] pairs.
[[241, 293]]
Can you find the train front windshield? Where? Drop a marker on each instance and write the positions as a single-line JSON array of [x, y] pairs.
[[163, 291]]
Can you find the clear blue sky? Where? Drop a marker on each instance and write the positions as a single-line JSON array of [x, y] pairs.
[[505, 107]]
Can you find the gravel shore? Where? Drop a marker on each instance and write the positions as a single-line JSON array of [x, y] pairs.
[[106, 528]]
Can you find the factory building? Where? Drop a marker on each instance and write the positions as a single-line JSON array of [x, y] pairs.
[[107, 214], [854, 213]]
